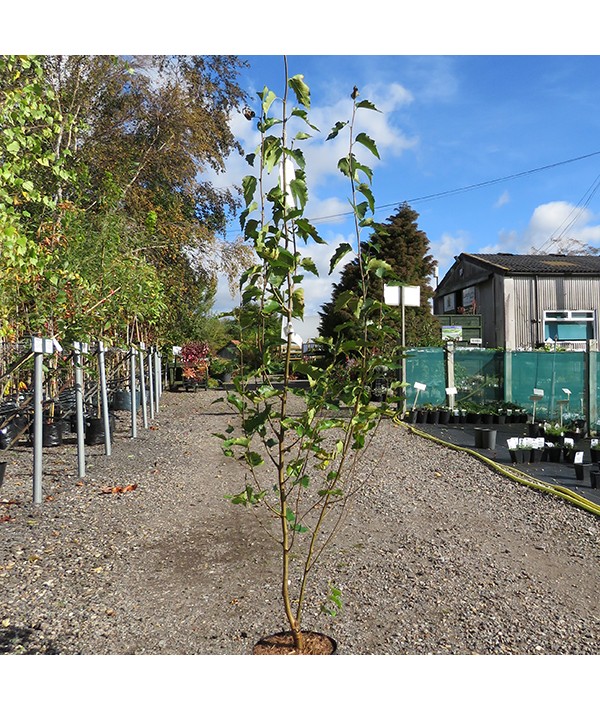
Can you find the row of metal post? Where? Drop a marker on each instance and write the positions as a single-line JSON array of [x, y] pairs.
[[141, 361]]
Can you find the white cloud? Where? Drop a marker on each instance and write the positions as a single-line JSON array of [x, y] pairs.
[[446, 248], [553, 227], [504, 199]]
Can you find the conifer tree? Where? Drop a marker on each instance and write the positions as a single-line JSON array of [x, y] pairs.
[[405, 247]]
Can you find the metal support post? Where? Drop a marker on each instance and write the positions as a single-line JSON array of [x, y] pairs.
[[132, 387], [157, 377], [38, 385], [450, 388], [151, 380], [143, 386], [79, 348], [104, 396]]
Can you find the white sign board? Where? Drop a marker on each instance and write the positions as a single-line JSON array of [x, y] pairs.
[[420, 386], [391, 295], [411, 295]]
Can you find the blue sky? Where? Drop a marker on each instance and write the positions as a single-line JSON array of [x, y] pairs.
[[471, 93], [447, 124]]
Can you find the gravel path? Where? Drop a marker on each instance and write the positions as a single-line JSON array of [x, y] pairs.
[[440, 555]]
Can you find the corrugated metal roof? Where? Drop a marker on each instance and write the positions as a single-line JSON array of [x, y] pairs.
[[540, 263]]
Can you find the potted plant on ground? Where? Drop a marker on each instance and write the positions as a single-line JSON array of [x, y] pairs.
[[595, 450], [554, 433], [568, 449], [195, 362], [300, 461], [222, 369]]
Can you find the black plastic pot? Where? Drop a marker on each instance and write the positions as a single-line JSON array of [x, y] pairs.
[[2, 472], [443, 417], [52, 433], [568, 455], [552, 454], [121, 400], [581, 470], [433, 417], [94, 430], [485, 438], [534, 429], [519, 456], [15, 425], [595, 455], [535, 455], [282, 643]]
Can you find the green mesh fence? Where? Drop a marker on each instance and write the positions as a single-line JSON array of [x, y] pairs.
[[488, 376], [427, 366], [553, 373], [479, 375]]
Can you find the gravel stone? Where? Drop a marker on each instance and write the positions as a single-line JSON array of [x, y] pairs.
[[439, 555]]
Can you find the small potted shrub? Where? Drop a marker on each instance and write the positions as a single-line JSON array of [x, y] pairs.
[[552, 452], [568, 449], [554, 433]]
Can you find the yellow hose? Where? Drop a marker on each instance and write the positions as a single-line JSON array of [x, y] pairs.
[[512, 473]]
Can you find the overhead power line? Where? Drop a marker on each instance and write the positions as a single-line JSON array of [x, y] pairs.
[[457, 191]]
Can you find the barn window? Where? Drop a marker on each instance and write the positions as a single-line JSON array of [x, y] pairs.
[[569, 325]]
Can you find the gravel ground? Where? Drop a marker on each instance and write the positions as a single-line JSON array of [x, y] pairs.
[[440, 555]]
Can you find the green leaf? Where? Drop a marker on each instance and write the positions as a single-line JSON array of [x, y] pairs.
[[249, 187], [267, 97], [299, 191], [253, 459], [378, 266], [296, 83], [336, 129], [367, 105], [339, 254], [308, 264], [367, 142]]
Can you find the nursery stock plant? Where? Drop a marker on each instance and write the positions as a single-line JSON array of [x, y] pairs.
[[302, 448]]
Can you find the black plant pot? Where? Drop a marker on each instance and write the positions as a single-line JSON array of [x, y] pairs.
[[519, 456], [595, 455], [433, 417], [473, 418], [283, 643], [552, 454], [412, 416], [534, 429], [536, 455], [444, 417], [581, 470], [121, 400], [594, 478], [94, 430], [499, 419], [487, 418], [16, 425], [421, 417], [485, 438], [52, 434], [568, 455], [2, 472]]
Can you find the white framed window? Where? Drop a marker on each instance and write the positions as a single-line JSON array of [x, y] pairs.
[[569, 325]]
